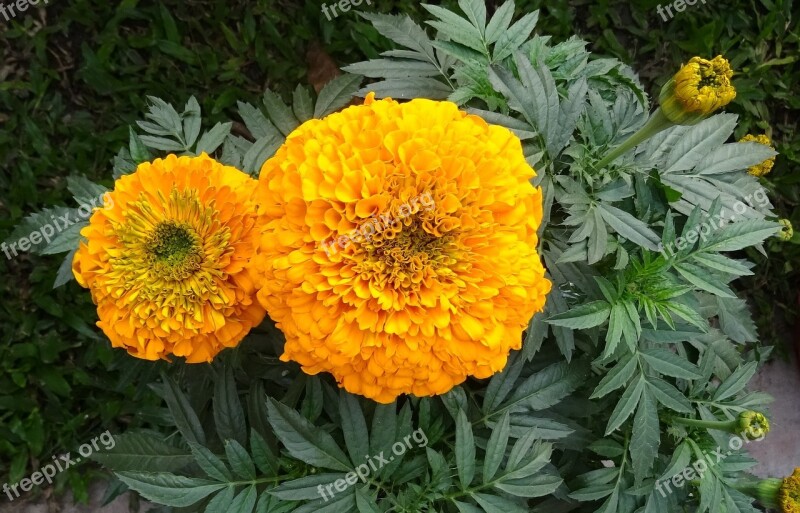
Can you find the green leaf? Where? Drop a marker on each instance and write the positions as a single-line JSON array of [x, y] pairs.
[[182, 413], [548, 386], [531, 486], [221, 501], [502, 384], [497, 504], [142, 452], [583, 317], [625, 406], [513, 38], [302, 106], [620, 374], [137, 149], [85, 191], [305, 488], [260, 152], [390, 68], [65, 274], [698, 141], [212, 139], [465, 450], [646, 436], [281, 115], [703, 280], [263, 456], [500, 22], [456, 28], [304, 440], [669, 396], [403, 31], [240, 460], [409, 88], [629, 227], [191, 123], [245, 501], [365, 503], [354, 427], [671, 364], [735, 382], [210, 464], [740, 235], [228, 411], [169, 489], [496, 448], [256, 122]]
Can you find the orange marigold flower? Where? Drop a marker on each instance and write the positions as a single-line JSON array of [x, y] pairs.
[[167, 259], [400, 247]]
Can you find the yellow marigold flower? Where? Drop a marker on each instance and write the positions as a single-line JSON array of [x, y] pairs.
[[787, 232], [766, 166], [167, 260], [400, 247], [698, 89], [789, 495]]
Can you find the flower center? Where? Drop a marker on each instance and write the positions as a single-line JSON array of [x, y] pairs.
[[174, 250], [404, 255]]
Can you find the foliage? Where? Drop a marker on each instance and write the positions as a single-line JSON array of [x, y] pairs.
[[642, 325], [64, 112]]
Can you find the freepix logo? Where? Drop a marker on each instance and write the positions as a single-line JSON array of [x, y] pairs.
[[9, 11]]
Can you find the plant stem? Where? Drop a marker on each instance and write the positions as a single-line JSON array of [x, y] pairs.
[[720, 425], [654, 125]]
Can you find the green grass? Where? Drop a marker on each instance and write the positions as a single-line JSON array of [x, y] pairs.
[[75, 74]]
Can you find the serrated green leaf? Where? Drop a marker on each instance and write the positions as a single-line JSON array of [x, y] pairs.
[[210, 464], [169, 489], [465, 450], [212, 139], [228, 411], [671, 364], [625, 406], [182, 413], [239, 460], [584, 316], [305, 441]]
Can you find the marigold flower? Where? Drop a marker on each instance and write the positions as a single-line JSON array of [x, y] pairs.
[[400, 247], [780, 494], [168, 264], [698, 89], [787, 232], [765, 167], [789, 495]]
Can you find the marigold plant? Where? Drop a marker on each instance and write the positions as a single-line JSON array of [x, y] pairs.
[[447, 276], [168, 262]]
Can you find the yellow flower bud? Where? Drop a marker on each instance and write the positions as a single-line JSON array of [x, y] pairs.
[[787, 232], [698, 89], [766, 166], [752, 425]]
